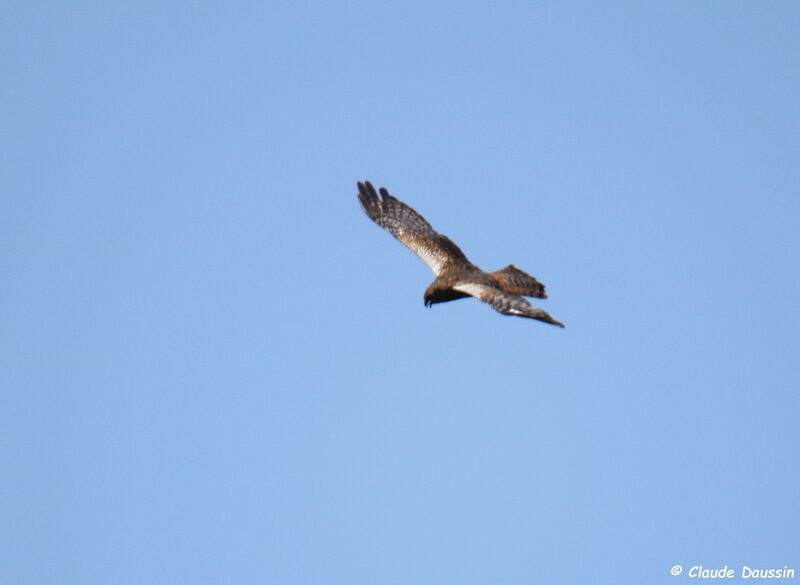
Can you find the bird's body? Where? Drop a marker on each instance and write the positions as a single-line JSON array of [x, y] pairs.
[[456, 276]]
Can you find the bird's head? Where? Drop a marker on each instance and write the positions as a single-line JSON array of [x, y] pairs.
[[432, 295]]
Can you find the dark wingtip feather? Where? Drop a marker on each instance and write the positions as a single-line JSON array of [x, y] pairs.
[[369, 200], [387, 197], [367, 189], [549, 319]]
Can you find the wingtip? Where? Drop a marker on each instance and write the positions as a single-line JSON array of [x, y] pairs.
[[366, 188], [369, 200]]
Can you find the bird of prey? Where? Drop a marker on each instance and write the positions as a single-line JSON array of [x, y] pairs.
[[456, 276]]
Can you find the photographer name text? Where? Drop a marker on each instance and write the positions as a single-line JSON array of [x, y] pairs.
[[726, 572]]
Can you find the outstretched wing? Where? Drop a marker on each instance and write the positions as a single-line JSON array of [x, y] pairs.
[[408, 226], [504, 302]]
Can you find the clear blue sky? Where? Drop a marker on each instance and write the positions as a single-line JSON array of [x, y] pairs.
[[215, 369]]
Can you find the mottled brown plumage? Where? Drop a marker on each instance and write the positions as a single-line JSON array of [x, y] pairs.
[[456, 276]]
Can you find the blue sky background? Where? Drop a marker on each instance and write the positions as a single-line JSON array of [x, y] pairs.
[[215, 369]]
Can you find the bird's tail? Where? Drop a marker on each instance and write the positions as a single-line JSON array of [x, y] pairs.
[[515, 281]]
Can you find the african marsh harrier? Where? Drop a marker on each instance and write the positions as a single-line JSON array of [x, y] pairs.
[[456, 276]]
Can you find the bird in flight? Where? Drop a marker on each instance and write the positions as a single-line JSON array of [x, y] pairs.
[[456, 277]]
